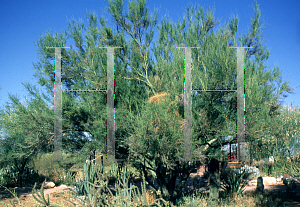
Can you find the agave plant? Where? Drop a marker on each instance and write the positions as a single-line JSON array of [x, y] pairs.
[[235, 182], [88, 191], [79, 188]]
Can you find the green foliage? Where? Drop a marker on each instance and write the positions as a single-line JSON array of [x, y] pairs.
[[29, 128], [290, 184], [295, 170], [41, 196], [270, 169], [79, 188], [89, 176], [234, 182], [92, 182], [66, 178], [12, 203], [152, 146], [11, 175], [125, 196], [286, 165], [112, 171]]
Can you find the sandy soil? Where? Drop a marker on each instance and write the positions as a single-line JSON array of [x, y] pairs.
[[25, 193]]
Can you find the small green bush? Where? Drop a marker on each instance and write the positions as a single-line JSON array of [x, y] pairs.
[[234, 182], [12, 176], [66, 178]]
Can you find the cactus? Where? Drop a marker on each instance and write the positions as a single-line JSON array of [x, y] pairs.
[[79, 188], [41, 196], [126, 196], [131, 195], [87, 186], [88, 175]]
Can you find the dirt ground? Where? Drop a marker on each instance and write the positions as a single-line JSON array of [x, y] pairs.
[[59, 195], [26, 198]]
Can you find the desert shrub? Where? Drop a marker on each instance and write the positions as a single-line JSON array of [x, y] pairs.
[[66, 178], [234, 181], [112, 171], [89, 188], [12, 175]]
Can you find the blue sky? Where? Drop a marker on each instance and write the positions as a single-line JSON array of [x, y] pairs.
[[23, 22]]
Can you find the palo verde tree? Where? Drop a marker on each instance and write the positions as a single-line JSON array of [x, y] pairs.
[[264, 112], [148, 134], [219, 72], [27, 128], [216, 61], [87, 68]]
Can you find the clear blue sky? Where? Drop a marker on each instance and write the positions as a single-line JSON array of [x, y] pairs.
[[23, 22]]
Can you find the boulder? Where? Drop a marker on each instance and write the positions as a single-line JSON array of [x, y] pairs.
[[269, 181], [252, 182], [48, 185], [266, 181]]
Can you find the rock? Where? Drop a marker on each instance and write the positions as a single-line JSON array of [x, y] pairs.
[[269, 180], [63, 186], [48, 185], [266, 181], [252, 182], [278, 180]]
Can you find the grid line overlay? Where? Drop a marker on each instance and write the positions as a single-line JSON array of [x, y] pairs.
[[240, 104], [110, 155]]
